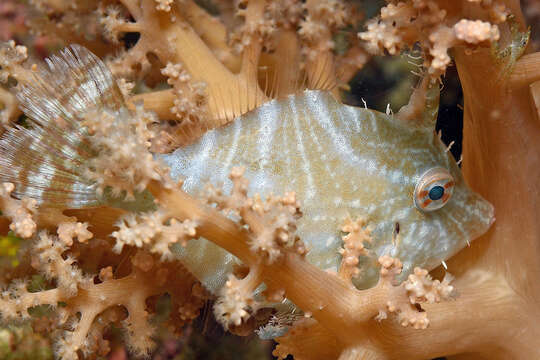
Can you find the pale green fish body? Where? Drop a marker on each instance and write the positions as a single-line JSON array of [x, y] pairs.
[[340, 160]]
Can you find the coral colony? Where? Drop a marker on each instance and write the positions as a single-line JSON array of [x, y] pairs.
[[201, 150]]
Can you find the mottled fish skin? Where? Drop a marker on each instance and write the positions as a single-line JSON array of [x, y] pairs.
[[340, 160]]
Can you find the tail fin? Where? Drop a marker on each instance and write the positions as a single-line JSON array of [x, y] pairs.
[[45, 161], [75, 82]]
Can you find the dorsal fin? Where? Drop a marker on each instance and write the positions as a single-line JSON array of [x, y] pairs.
[[45, 161]]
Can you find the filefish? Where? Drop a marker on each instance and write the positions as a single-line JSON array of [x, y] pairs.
[[340, 160]]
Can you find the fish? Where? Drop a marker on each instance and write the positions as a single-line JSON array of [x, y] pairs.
[[341, 161]]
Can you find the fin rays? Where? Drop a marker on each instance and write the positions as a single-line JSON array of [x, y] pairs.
[[75, 82], [46, 161]]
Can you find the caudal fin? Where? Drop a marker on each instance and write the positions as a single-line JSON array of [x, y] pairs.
[[46, 160]]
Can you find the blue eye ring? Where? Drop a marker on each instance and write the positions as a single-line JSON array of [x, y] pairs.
[[433, 189]]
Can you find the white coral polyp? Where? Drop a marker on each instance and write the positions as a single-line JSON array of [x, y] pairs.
[[69, 230], [164, 5], [475, 32], [234, 302], [19, 211], [124, 161], [382, 35], [155, 231]]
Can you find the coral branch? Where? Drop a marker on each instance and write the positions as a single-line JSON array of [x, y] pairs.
[[214, 226], [10, 110], [535, 97], [50, 262], [154, 231], [213, 32], [236, 302], [404, 23], [203, 67], [353, 247], [81, 296], [122, 141], [20, 212], [526, 70], [67, 231], [419, 288], [357, 307], [11, 58], [316, 31], [271, 222]]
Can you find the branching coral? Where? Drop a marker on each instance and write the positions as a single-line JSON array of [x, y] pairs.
[[216, 68], [272, 222], [353, 247], [405, 23], [419, 289], [11, 56], [124, 163], [90, 308], [9, 111], [229, 67], [353, 307], [156, 231], [19, 211], [236, 302], [70, 230]]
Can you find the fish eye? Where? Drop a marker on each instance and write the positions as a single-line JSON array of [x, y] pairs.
[[434, 189]]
